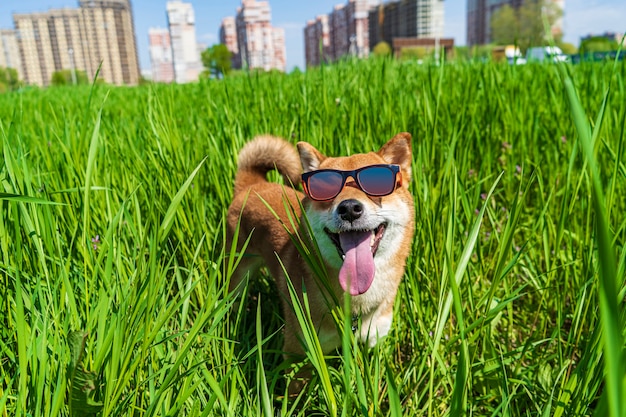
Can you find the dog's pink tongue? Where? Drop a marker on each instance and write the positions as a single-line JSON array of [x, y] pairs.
[[358, 268]]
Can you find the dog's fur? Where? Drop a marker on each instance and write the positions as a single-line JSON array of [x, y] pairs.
[[270, 243]]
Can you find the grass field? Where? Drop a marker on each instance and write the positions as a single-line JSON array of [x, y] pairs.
[[113, 292]]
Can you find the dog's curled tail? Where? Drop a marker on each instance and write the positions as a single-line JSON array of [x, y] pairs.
[[263, 154]]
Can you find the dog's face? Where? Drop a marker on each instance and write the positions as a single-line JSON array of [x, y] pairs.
[[359, 233]]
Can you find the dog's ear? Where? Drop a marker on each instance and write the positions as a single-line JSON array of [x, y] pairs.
[[310, 157], [398, 151]]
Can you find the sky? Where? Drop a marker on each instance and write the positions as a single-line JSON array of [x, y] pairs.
[[581, 17]]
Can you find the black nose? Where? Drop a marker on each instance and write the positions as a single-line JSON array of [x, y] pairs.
[[350, 210]]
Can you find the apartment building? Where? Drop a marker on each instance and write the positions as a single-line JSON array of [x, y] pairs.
[[338, 25], [161, 61], [344, 31], [108, 27], [96, 35], [317, 44], [479, 13], [182, 29], [49, 42], [228, 37], [10, 51], [279, 57], [419, 19], [259, 45]]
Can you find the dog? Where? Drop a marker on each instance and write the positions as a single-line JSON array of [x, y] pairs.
[[360, 214]]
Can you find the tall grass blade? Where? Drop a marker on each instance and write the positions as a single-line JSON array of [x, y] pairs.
[[609, 283], [170, 214], [82, 383], [395, 405], [266, 400], [311, 343], [455, 280], [27, 199]]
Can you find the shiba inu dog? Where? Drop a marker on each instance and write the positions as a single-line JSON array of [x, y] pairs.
[[361, 216]]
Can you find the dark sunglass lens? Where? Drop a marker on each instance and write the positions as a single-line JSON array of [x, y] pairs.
[[325, 185], [377, 181]]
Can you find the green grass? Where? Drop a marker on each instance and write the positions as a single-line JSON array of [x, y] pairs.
[[113, 293]]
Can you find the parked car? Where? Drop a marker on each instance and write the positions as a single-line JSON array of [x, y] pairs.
[[545, 54]]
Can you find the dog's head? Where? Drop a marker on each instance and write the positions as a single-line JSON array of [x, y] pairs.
[[360, 209]]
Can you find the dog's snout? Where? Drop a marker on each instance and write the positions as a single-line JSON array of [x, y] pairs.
[[350, 210]]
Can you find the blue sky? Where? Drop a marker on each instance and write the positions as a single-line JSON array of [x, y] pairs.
[[581, 18]]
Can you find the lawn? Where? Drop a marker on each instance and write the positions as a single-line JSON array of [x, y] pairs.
[[113, 289]]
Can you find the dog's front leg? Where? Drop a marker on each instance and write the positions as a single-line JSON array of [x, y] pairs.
[[375, 326]]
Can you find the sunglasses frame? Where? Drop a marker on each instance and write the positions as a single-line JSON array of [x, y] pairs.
[[354, 174]]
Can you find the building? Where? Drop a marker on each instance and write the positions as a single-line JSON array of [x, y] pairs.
[[10, 51], [345, 31], [279, 56], [109, 40], [49, 42], [182, 28], [98, 36], [317, 45], [161, 55], [479, 13], [419, 19], [228, 37], [259, 45], [358, 26]]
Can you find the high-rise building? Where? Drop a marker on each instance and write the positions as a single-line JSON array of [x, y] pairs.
[[279, 57], [97, 35], [182, 27], [419, 19], [345, 31], [10, 51], [110, 32], [259, 45], [479, 13], [49, 42], [317, 45], [228, 37], [161, 55]]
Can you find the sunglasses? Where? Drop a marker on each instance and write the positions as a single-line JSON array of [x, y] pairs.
[[373, 180]]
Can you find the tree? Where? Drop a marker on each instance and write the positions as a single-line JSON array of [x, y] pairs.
[[505, 26], [9, 80], [567, 48], [69, 77], [217, 60], [382, 49], [524, 26], [598, 44]]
